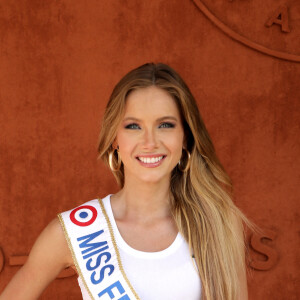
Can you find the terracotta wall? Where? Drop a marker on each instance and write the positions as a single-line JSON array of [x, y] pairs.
[[59, 61]]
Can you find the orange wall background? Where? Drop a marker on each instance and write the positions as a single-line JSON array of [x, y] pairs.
[[59, 61]]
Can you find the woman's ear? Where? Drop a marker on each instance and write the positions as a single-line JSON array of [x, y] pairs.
[[184, 143], [115, 144]]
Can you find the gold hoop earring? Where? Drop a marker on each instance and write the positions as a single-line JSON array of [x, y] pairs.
[[186, 168], [110, 160]]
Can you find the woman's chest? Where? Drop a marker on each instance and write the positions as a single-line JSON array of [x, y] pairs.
[[174, 276]]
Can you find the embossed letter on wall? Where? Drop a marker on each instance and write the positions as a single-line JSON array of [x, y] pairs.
[[280, 17], [258, 243]]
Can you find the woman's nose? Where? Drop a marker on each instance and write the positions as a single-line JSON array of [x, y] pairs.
[[149, 139]]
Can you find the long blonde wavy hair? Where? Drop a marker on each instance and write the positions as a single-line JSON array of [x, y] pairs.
[[201, 197]]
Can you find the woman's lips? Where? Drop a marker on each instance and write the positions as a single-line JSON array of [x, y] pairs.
[[151, 161]]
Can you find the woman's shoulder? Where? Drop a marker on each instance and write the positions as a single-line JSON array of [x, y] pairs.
[[53, 237], [50, 252]]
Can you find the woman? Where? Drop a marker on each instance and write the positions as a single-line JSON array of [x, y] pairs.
[[172, 231]]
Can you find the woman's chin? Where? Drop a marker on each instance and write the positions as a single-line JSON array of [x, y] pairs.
[[152, 178]]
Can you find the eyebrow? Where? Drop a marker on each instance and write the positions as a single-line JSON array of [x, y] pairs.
[[159, 119]]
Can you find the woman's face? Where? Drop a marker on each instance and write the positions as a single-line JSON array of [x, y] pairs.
[[150, 136]]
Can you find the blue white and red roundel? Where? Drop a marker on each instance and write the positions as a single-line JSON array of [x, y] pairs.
[[83, 215]]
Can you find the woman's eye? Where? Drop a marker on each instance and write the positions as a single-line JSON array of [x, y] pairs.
[[167, 125], [132, 126]]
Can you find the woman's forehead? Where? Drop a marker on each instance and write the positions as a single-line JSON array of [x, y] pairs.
[[150, 100]]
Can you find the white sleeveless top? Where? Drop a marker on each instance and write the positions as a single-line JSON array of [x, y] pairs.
[[167, 274]]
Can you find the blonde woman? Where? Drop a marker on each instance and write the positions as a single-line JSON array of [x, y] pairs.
[[172, 230]]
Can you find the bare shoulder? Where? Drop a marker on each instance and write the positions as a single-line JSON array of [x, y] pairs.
[[49, 255], [53, 242], [53, 231]]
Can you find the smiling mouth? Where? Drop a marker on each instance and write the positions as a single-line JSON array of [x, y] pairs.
[[151, 160]]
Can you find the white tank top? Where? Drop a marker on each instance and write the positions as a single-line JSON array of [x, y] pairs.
[[167, 274]]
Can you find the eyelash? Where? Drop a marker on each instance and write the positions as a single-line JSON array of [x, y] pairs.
[[169, 125], [129, 126]]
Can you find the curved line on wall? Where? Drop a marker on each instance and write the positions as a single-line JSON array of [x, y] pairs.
[[242, 39], [1, 259]]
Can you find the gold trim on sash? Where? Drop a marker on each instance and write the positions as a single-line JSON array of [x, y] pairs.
[[117, 250], [73, 255]]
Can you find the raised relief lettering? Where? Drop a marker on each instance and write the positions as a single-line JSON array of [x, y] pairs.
[[1, 260], [280, 17], [259, 245]]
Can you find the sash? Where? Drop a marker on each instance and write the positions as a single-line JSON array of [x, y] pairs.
[[90, 237]]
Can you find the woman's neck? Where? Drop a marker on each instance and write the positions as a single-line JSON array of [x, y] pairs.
[[142, 200]]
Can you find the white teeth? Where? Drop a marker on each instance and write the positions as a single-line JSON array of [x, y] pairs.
[[148, 160]]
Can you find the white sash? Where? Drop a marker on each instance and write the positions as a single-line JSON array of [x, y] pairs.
[[95, 254]]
